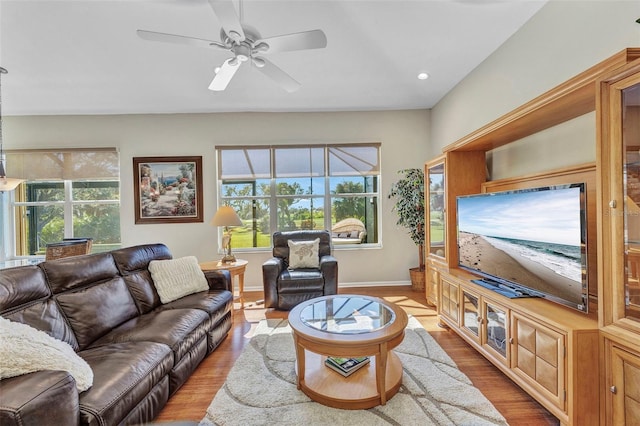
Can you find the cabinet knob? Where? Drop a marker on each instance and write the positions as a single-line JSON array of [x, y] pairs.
[[613, 389], [511, 340], [613, 204]]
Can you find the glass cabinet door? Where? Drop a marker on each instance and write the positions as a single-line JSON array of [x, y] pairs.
[[470, 314], [631, 188], [496, 328], [435, 176]]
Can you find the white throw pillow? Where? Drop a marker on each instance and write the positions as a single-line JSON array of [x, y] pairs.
[[25, 349], [176, 278], [304, 254]]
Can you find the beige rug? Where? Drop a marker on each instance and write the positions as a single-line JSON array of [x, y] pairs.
[[261, 389]]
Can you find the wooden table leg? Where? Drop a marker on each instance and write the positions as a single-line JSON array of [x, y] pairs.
[[241, 287], [381, 372], [300, 361]]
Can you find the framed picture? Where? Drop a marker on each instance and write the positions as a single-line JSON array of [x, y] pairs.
[[168, 189]]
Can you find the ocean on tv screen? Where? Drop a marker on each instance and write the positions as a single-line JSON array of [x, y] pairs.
[[532, 238]]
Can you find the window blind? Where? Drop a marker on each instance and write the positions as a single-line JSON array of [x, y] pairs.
[[63, 164]]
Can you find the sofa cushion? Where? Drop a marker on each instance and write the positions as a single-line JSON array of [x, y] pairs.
[[30, 398], [76, 272], [304, 254], [179, 329], [213, 302], [133, 264], [124, 374], [45, 316], [21, 285], [94, 311], [137, 258], [300, 280], [25, 350], [176, 278], [143, 291]]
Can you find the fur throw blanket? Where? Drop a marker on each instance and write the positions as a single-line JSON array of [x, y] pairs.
[[25, 350]]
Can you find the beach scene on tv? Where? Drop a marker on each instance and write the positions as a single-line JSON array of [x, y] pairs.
[[532, 238]]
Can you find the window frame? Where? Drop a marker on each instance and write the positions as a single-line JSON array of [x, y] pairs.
[[24, 241], [328, 196]]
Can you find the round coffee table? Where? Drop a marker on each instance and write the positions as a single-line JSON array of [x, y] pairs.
[[348, 326]]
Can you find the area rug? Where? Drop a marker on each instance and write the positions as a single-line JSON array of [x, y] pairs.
[[261, 388]]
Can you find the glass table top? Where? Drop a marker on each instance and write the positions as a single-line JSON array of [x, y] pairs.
[[347, 315]]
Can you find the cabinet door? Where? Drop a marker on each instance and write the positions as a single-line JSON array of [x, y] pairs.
[[431, 286], [470, 321], [435, 194], [538, 358], [619, 163], [449, 299], [625, 387], [495, 330], [631, 196]]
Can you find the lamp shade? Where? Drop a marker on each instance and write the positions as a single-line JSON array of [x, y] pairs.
[[226, 216], [7, 184]]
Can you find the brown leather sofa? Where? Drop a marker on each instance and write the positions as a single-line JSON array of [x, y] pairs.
[[106, 307], [284, 287]]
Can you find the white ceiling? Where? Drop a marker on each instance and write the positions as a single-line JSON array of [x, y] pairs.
[[84, 57]]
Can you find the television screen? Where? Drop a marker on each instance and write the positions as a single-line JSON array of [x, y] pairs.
[[531, 241]]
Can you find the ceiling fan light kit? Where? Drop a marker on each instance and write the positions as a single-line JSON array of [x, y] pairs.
[[245, 43]]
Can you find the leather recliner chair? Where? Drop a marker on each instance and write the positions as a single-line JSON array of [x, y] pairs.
[[284, 287]]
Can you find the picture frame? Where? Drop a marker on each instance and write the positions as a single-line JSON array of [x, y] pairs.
[[168, 189]]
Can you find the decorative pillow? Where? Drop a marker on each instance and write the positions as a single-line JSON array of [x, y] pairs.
[[304, 254], [25, 349], [176, 278]]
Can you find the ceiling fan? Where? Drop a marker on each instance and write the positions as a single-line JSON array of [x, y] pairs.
[[247, 45]]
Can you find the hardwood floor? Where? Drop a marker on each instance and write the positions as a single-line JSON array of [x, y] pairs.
[[191, 401]]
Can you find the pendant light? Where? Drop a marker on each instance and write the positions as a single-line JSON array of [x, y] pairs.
[[6, 184]]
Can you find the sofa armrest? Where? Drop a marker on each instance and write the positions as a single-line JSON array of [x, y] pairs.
[[271, 270], [329, 268], [43, 397], [219, 280]]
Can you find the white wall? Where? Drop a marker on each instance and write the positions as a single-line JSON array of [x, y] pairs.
[[563, 39], [403, 134]]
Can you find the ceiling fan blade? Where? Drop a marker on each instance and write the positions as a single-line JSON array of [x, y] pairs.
[[314, 39], [278, 75], [224, 75], [226, 13], [178, 39]]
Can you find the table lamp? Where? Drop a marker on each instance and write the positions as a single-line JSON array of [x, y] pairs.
[[226, 216]]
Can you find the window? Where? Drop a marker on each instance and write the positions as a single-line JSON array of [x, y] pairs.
[[67, 193], [301, 187]]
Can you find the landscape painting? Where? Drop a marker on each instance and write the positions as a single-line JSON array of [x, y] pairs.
[[168, 189]]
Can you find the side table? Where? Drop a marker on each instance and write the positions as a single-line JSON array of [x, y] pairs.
[[236, 269]]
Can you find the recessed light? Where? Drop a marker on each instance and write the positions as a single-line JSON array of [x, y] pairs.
[[423, 76]]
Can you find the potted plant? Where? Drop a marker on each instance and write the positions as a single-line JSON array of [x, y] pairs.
[[408, 193]]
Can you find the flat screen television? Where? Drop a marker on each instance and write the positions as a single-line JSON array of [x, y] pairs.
[[527, 242]]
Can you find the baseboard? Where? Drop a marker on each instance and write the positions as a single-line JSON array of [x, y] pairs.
[[349, 285]]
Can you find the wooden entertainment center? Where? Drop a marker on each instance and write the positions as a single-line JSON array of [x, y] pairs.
[[551, 351]]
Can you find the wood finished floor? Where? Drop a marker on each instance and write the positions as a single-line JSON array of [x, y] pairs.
[[191, 401]]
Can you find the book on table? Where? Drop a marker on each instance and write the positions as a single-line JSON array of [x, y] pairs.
[[346, 366]]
